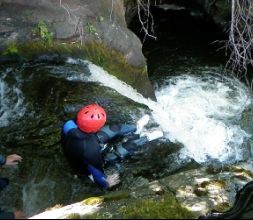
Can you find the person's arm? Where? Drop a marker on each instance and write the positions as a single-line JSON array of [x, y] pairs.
[[107, 133], [12, 159], [100, 178], [69, 125]]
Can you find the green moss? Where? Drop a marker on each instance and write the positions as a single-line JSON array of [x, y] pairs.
[[98, 216], [110, 197], [113, 196], [118, 195], [73, 216], [167, 208], [110, 60], [10, 50], [36, 48], [113, 62], [97, 53], [93, 200], [91, 28]]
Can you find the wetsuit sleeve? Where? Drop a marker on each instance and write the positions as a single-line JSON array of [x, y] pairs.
[[69, 125], [6, 215], [2, 160], [98, 176], [108, 133]]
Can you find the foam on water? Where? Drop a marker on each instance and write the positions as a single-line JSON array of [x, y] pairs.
[[11, 99], [202, 113]]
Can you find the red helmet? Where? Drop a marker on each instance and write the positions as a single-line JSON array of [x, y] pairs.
[[91, 118]]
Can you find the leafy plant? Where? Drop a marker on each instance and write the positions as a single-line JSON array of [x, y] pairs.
[[90, 28], [43, 33], [11, 49]]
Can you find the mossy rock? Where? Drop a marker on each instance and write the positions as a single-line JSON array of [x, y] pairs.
[[93, 201], [74, 216], [166, 207], [112, 61]]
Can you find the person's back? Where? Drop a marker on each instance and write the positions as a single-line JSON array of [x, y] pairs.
[[81, 149]]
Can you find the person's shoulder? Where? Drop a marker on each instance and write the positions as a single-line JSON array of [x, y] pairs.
[[69, 125], [71, 130]]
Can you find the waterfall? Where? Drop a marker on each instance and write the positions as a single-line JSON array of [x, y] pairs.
[[11, 99], [100, 75], [201, 112]]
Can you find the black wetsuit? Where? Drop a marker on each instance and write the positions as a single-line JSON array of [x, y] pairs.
[[84, 152], [3, 183]]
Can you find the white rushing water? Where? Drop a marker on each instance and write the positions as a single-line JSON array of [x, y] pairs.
[[11, 99], [201, 113]]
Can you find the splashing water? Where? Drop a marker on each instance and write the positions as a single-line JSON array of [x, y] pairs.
[[11, 100], [203, 113], [101, 76], [200, 112]]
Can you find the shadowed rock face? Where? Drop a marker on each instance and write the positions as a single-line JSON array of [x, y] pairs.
[[218, 11]]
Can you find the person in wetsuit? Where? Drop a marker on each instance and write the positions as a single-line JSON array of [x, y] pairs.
[[10, 160], [84, 138]]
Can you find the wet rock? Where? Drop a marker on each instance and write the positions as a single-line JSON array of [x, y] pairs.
[[75, 21]]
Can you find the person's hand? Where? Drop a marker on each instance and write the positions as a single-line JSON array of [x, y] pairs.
[[113, 180], [13, 159], [19, 215]]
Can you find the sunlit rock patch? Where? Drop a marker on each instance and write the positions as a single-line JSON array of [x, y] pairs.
[[192, 193]]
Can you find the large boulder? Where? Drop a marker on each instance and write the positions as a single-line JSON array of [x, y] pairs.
[[76, 23], [75, 20]]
